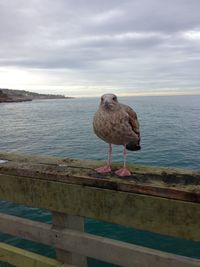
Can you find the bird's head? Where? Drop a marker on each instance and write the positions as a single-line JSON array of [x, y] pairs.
[[109, 102]]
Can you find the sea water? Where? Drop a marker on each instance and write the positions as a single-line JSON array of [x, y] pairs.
[[170, 137]]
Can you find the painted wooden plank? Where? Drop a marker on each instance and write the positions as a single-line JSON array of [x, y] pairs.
[[160, 215], [97, 247], [63, 221], [156, 181], [189, 193], [23, 258]]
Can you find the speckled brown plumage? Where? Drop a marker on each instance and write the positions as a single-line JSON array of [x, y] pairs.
[[117, 124]]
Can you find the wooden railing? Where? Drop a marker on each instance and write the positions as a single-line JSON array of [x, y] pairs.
[[159, 200]]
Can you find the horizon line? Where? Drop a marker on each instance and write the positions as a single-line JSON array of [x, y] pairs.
[[144, 94]]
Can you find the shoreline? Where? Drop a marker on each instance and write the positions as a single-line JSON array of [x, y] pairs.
[[19, 100], [14, 96]]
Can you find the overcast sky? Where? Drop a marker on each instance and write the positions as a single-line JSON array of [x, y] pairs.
[[90, 47]]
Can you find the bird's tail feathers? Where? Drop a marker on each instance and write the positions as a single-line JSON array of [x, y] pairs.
[[133, 146]]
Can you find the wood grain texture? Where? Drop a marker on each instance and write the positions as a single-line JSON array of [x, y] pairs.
[[160, 215], [155, 181], [62, 221], [22, 258], [160, 200], [97, 247]]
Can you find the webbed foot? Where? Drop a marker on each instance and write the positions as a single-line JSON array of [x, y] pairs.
[[103, 169], [123, 172]]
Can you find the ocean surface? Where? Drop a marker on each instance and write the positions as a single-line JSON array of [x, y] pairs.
[[170, 136]]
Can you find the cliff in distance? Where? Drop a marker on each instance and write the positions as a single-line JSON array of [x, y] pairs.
[[9, 95]]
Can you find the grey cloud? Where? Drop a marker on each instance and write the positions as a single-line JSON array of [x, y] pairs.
[[149, 42], [154, 15]]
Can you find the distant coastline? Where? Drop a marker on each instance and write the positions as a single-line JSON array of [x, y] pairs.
[[9, 96]]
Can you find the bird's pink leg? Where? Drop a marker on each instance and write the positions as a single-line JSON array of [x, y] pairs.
[[106, 168], [123, 171]]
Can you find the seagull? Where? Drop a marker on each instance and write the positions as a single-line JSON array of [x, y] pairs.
[[117, 124]]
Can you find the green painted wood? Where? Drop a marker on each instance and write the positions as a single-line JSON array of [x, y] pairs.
[[22, 258], [160, 215], [164, 182]]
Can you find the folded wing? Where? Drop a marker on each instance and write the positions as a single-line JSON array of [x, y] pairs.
[[133, 121]]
